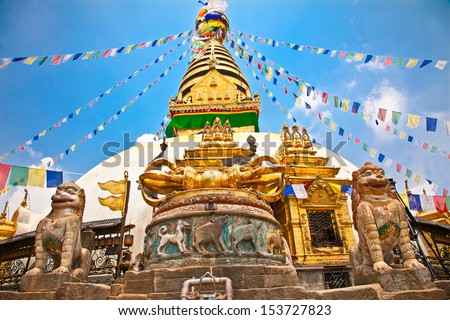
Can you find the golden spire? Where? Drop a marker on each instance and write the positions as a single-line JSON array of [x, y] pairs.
[[25, 199]]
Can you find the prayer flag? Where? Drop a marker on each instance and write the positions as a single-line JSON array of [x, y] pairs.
[[447, 126], [96, 55], [402, 135], [408, 173], [56, 59], [441, 64], [365, 146], [412, 62], [400, 62], [342, 54], [333, 126], [43, 60], [344, 105], [18, 176], [427, 203], [388, 163], [54, 178], [326, 121], [425, 146], [382, 114], [355, 107], [381, 157], [368, 58], [414, 202], [396, 117], [36, 177], [425, 62], [434, 149], [388, 61], [30, 60], [341, 131], [357, 141], [336, 101], [4, 173], [410, 139], [5, 62], [431, 124], [359, 56], [413, 120], [324, 97], [87, 55], [299, 191], [67, 57], [372, 152], [417, 178], [398, 167], [440, 203]]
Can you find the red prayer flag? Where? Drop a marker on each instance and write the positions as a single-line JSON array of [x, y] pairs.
[[58, 124], [22, 147], [388, 127], [319, 115], [388, 61], [398, 167], [357, 141], [439, 202], [324, 97], [425, 146], [56, 59], [4, 173], [342, 54], [382, 114], [106, 53]]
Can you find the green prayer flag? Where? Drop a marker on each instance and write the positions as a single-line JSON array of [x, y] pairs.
[[396, 117], [326, 121], [336, 101], [18, 176], [365, 146], [396, 132], [408, 173], [96, 55], [434, 149], [43, 60], [400, 62]]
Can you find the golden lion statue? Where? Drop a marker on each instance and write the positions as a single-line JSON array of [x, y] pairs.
[[59, 234], [380, 220]]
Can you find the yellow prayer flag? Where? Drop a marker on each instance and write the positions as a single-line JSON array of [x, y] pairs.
[[36, 177], [404, 197], [42, 133], [359, 56], [72, 148], [88, 54], [298, 102], [128, 49], [413, 120], [101, 127], [336, 188], [77, 112], [112, 202], [412, 63], [417, 178], [333, 126], [345, 103], [115, 187], [372, 152], [402, 135], [29, 60], [320, 50]]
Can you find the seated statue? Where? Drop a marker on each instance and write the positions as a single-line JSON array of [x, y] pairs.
[[58, 235], [227, 133], [381, 223], [217, 130], [207, 133], [306, 139], [297, 138]]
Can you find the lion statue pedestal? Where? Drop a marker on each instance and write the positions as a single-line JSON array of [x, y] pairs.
[[58, 237], [381, 222]]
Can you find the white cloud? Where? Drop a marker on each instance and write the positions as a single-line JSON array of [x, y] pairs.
[[372, 65], [145, 138], [386, 96], [351, 84], [33, 153]]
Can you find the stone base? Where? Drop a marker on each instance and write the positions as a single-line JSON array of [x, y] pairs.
[[399, 279], [45, 282], [444, 285], [365, 292], [429, 294], [14, 295], [249, 282], [82, 291]]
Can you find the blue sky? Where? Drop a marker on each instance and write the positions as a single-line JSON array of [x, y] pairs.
[[34, 98]]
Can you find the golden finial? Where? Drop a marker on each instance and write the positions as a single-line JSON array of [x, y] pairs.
[[5, 210], [25, 199]]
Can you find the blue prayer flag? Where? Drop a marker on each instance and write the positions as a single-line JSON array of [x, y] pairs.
[[54, 178]]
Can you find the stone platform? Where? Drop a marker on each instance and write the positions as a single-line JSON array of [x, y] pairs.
[[248, 282]]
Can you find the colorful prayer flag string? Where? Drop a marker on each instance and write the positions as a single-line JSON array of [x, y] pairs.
[[408, 63], [104, 53], [341, 103], [90, 103], [116, 115]]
